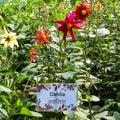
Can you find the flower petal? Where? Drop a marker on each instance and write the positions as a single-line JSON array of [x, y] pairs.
[[72, 34], [76, 26], [71, 17], [60, 21], [39, 31], [78, 22], [62, 28], [46, 30]]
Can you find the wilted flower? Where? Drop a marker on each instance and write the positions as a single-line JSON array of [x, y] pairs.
[[82, 11], [9, 39], [68, 24], [33, 52], [42, 37]]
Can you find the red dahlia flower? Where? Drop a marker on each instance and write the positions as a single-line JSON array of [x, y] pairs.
[[82, 11], [33, 52], [42, 37], [68, 24]]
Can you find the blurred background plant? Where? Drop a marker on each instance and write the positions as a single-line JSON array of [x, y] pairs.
[[92, 61]]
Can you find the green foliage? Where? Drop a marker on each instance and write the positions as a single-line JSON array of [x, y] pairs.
[[92, 61]]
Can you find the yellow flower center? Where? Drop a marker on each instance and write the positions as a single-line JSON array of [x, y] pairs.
[[43, 36], [69, 26], [83, 12]]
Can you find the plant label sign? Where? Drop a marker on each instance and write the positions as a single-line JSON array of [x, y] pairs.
[[57, 97]]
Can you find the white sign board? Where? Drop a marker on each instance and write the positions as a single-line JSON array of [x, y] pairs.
[[56, 96]]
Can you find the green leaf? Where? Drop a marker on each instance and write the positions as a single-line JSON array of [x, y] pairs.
[[5, 99], [47, 1], [101, 115], [66, 75], [19, 102], [58, 1], [116, 115], [31, 65], [25, 111], [81, 115], [12, 26], [29, 70], [3, 114], [109, 118], [36, 114], [21, 79], [4, 89], [72, 47], [30, 104], [105, 107], [69, 114], [113, 84], [87, 85], [102, 31], [56, 47], [88, 97], [2, 2], [22, 5], [95, 98]]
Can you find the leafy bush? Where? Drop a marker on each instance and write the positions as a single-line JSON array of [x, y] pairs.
[[88, 57]]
